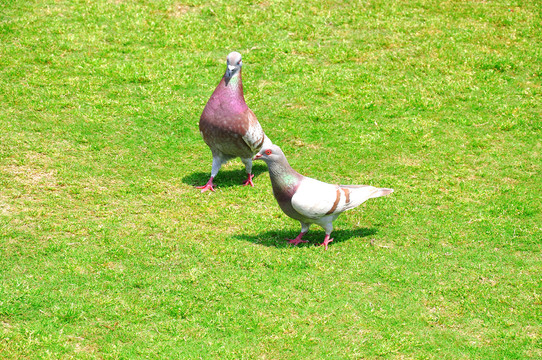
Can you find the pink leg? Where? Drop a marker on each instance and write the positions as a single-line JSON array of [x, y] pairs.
[[297, 240], [327, 240], [208, 186], [248, 181]]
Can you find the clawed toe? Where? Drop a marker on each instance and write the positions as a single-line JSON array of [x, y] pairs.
[[248, 181], [208, 186], [296, 241], [326, 241]]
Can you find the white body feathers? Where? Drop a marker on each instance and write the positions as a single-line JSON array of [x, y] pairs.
[[315, 199]]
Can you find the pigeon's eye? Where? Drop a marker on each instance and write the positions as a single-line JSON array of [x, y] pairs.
[[267, 152]]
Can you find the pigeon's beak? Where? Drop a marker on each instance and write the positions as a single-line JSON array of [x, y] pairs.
[[258, 156], [230, 70]]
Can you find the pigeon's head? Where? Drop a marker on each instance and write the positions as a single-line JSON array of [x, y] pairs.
[[234, 64], [269, 153]]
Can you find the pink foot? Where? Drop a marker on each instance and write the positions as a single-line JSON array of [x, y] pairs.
[[327, 240], [248, 181], [297, 240], [208, 186]]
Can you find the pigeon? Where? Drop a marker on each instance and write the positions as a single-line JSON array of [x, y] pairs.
[[228, 126], [308, 200]]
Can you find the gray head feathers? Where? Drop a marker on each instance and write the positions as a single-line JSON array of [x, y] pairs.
[[234, 63]]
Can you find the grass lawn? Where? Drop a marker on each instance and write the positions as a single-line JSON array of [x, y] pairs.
[[107, 251]]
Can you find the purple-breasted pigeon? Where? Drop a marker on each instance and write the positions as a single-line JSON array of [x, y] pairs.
[[308, 200], [228, 126]]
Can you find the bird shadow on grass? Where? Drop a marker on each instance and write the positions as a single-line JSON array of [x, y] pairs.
[[225, 178], [277, 238]]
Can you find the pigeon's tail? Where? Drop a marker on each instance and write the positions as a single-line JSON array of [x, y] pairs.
[[381, 192], [266, 142], [355, 195]]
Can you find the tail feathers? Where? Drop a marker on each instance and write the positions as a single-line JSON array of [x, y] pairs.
[[266, 142], [381, 192], [355, 195]]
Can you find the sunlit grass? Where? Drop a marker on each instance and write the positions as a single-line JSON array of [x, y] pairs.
[[108, 251]]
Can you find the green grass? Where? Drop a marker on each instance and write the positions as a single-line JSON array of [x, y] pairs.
[[107, 251]]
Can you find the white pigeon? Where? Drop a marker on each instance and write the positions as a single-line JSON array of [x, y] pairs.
[[308, 200]]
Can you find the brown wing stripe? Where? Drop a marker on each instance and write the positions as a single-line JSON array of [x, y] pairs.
[[335, 203], [347, 194], [260, 143]]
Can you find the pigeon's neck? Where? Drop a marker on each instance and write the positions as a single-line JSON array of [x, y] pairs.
[[231, 91], [284, 178], [234, 82]]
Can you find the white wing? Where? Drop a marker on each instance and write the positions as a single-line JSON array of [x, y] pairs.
[[315, 199], [254, 137]]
